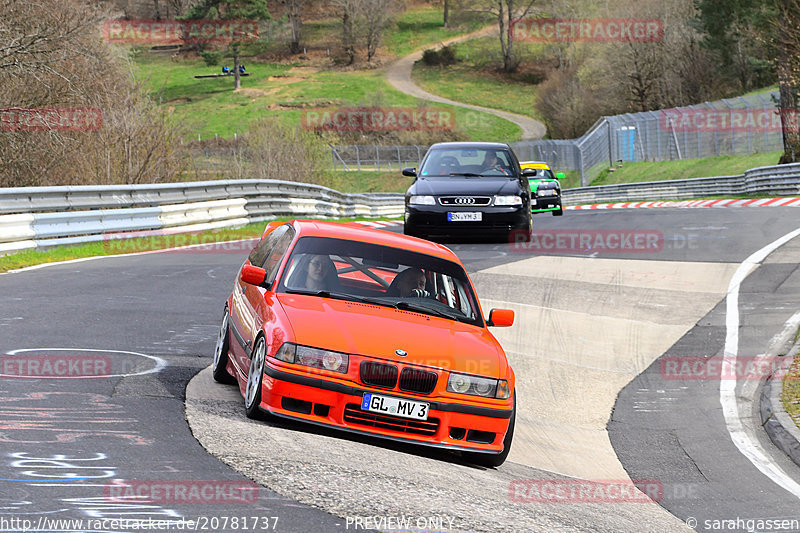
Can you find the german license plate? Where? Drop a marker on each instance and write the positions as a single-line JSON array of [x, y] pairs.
[[394, 406], [465, 216]]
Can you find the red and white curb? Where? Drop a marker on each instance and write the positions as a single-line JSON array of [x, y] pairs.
[[379, 223], [792, 201]]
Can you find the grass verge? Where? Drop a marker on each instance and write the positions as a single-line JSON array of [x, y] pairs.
[[790, 396], [207, 108], [475, 80], [637, 172]]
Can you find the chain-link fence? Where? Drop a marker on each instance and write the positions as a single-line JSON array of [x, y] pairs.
[[737, 126]]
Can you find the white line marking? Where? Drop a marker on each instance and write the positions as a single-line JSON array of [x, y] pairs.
[[160, 364], [749, 447]]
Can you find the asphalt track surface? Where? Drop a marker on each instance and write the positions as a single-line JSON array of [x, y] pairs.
[[69, 444]]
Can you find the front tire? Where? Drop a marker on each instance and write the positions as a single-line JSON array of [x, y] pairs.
[[219, 365], [255, 376], [495, 460], [559, 212]]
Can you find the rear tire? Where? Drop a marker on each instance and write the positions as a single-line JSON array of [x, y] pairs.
[[495, 460], [219, 365]]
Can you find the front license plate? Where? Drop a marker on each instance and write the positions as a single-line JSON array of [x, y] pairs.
[[465, 216], [394, 406]]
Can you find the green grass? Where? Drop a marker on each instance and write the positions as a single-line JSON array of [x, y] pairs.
[[475, 80], [417, 28], [359, 181], [209, 107], [688, 168], [790, 396]]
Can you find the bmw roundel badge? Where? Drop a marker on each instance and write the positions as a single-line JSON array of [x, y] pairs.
[[401, 353]]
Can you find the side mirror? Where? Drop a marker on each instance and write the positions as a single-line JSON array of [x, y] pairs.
[[528, 172], [411, 172], [559, 175], [501, 318], [253, 275]]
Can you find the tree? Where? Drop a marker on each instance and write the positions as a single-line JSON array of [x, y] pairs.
[[787, 55], [295, 14], [364, 20], [250, 10], [350, 12], [507, 11], [377, 16]]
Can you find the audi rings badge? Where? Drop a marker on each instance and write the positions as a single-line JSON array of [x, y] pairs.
[[464, 200]]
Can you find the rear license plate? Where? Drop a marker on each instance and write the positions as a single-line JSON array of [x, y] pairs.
[[465, 216], [394, 406]]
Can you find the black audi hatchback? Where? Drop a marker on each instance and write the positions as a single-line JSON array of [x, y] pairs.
[[468, 188]]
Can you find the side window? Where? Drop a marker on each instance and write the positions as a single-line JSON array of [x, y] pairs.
[[258, 256], [276, 254]]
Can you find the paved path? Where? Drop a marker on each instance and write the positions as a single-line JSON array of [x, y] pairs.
[[399, 75]]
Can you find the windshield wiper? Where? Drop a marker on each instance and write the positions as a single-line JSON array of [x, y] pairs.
[[466, 174], [409, 306], [338, 296]]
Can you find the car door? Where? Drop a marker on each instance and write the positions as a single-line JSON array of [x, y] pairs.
[[250, 308]]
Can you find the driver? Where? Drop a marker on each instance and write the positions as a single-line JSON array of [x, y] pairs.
[[410, 282], [492, 162]]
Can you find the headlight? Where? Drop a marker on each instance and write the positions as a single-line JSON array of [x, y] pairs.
[[313, 357], [507, 200], [477, 386], [422, 200], [546, 192]]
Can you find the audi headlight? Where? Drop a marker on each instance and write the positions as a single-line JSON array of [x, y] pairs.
[[422, 200], [477, 386], [507, 200], [313, 357]]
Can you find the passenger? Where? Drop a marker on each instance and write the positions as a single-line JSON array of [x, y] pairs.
[[316, 273]]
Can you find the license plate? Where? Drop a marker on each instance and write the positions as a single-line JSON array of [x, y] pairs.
[[394, 406], [465, 216]]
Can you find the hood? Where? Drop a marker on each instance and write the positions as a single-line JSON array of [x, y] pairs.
[[378, 331], [456, 186]]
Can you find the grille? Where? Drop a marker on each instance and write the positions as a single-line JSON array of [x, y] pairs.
[[420, 381], [378, 374], [465, 200], [354, 415]]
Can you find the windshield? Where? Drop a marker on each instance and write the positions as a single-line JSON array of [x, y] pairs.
[[543, 173], [469, 162], [382, 275]]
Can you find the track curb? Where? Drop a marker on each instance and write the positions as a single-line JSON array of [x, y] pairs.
[[782, 430]]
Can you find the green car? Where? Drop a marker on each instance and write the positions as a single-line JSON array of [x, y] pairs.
[[545, 188]]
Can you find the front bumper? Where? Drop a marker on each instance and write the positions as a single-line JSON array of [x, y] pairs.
[[433, 220], [545, 203], [338, 404]]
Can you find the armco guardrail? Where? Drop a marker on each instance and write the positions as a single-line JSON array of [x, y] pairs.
[[781, 180], [47, 216], [35, 217]]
